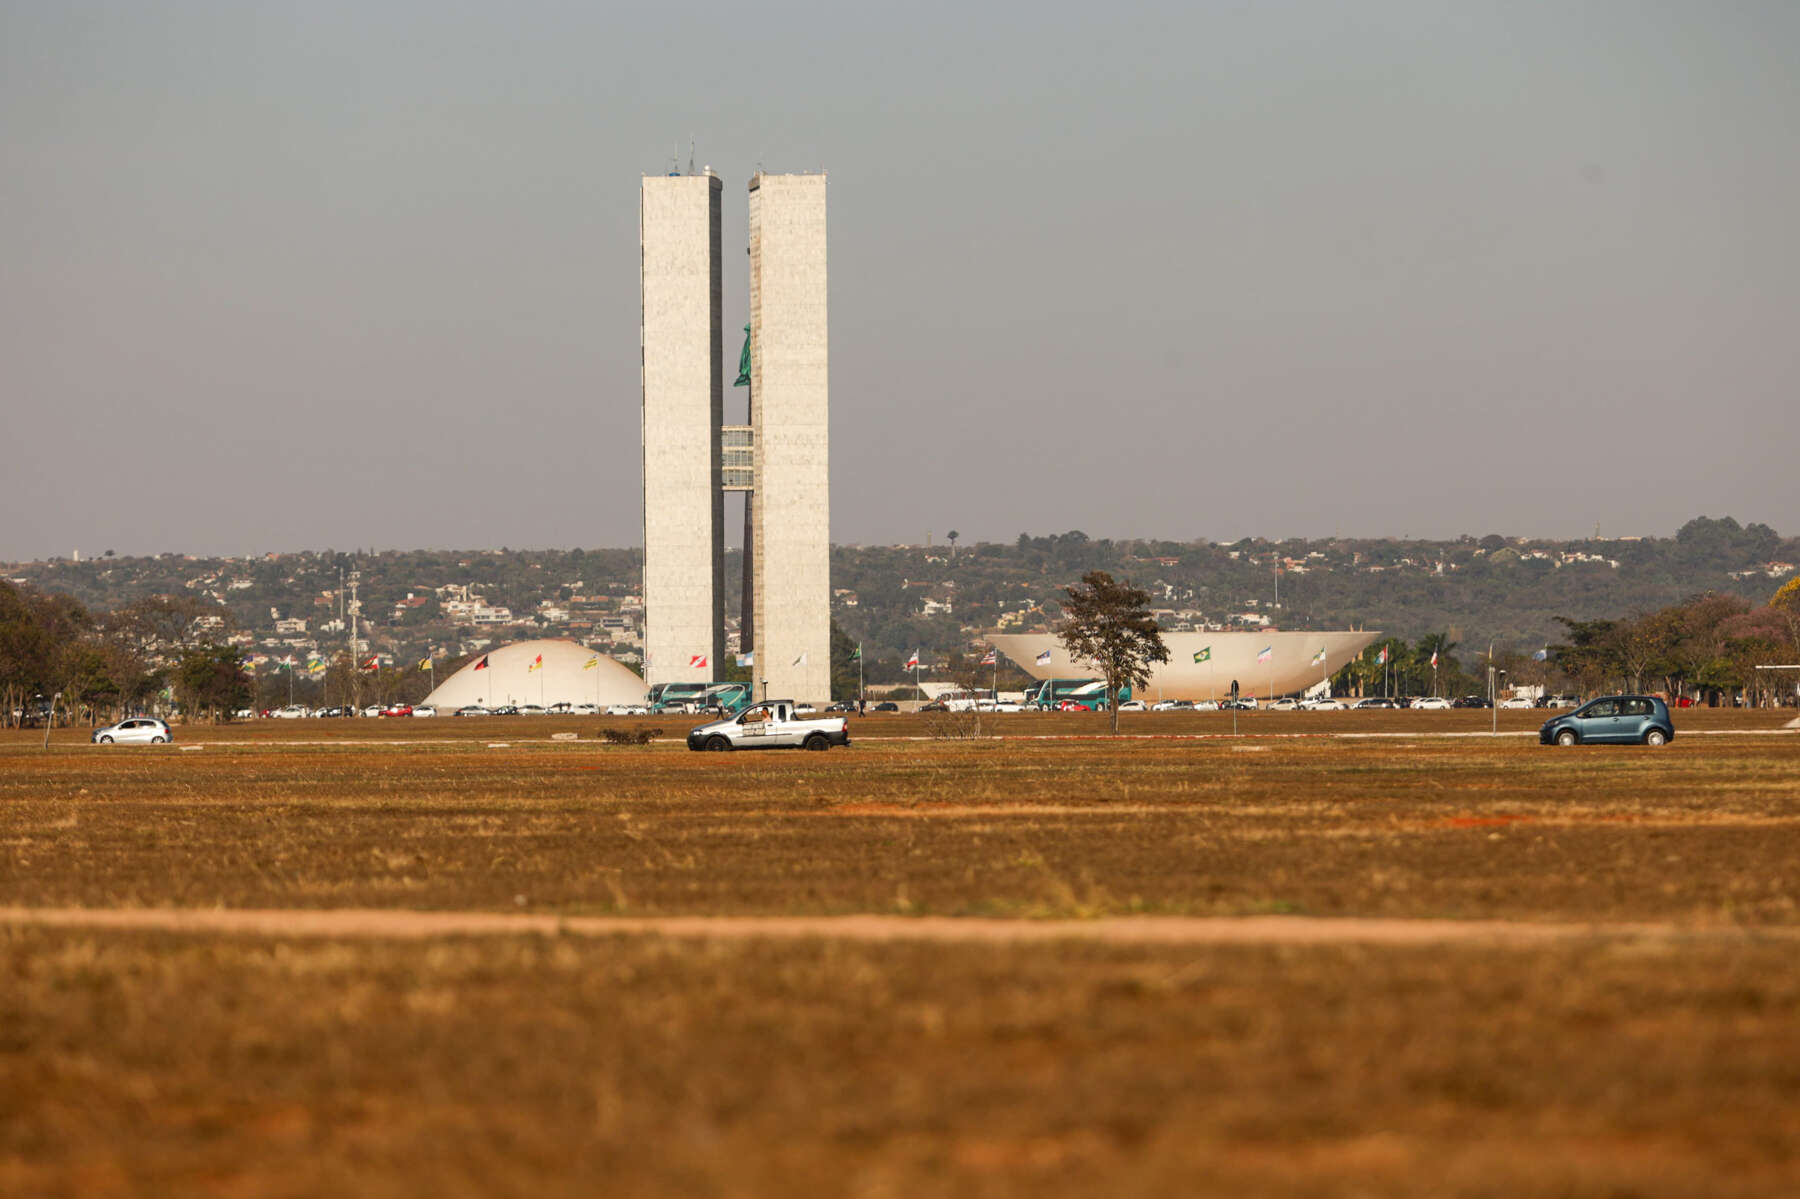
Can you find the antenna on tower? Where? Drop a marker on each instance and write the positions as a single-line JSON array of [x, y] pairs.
[[690, 154]]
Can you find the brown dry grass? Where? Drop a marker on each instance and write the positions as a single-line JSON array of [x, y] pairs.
[[164, 1063], [168, 1064], [1706, 830]]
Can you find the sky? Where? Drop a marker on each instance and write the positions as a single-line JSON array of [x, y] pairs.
[[365, 275]]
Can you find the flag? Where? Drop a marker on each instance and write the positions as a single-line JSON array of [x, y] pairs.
[[1043, 659], [912, 662], [1542, 655], [697, 662], [425, 662], [1434, 659], [856, 654], [537, 664], [481, 665], [1268, 652], [991, 658], [591, 663], [1319, 657], [374, 663], [1203, 655], [314, 665], [748, 659], [1381, 658], [800, 661]]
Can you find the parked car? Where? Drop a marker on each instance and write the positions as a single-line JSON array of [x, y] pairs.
[[396, 710], [531, 710], [886, 705], [1246, 704], [473, 710], [424, 710], [1431, 703], [372, 710], [1557, 701], [1516, 702], [1286, 703], [332, 712], [1170, 705], [1612, 720], [133, 730], [291, 712], [1072, 705], [585, 710], [1473, 701], [1322, 704], [504, 710], [1375, 701], [1134, 705], [842, 705], [1206, 705]]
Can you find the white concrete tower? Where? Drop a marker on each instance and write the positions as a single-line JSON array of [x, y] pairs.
[[684, 406], [790, 396]]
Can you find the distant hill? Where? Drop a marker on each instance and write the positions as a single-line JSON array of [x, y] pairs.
[[940, 599]]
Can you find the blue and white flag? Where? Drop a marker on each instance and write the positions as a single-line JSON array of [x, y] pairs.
[[1043, 659], [1542, 655], [1267, 653], [748, 659]]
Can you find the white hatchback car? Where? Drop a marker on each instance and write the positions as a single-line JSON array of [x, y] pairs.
[[1432, 703], [137, 730]]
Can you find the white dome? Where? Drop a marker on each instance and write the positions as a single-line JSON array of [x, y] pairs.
[[565, 676]]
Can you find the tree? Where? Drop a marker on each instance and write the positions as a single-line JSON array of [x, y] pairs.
[[951, 537], [1108, 624]]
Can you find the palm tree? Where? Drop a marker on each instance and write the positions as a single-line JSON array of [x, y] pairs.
[[951, 537]]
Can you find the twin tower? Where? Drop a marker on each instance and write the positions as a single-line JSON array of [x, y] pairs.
[[692, 457]]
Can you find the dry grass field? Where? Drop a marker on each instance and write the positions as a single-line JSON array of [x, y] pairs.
[[1656, 1050]]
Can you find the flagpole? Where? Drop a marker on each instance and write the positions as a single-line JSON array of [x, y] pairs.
[[861, 699]]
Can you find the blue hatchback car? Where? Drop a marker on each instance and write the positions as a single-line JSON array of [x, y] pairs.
[[1612, 720]]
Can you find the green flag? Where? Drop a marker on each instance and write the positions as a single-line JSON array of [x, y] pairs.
[[743, 379], [1203, 655], [856, 654]]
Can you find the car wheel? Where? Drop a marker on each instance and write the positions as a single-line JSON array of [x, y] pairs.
[[1567, 737], [1655, 737], [158, 740], [718, 745], [106, 740], [818, 743]]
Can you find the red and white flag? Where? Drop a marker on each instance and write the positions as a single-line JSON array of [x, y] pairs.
[[1434, 659], [372, 664], [912, 663], [697, 662], [990, 659], [481, 665]]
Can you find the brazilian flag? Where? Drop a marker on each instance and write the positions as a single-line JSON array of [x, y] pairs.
[[743, 379], [1203, 655]]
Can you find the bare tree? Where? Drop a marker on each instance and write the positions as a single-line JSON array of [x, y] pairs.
[[1108, 625]]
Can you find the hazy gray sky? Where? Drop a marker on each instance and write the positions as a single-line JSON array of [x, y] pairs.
[[283, 276]]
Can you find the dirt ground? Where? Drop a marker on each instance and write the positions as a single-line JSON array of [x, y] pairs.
[[1406, 964]]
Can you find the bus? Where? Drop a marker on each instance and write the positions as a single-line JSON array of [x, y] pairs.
[[1091, 692], [698, 697]]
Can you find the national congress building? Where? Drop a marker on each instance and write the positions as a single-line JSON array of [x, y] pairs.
[[692, 457]]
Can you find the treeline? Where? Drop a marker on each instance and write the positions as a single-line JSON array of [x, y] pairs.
[[1709, 648], [59, 661]]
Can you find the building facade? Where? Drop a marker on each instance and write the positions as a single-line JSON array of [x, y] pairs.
[[683, 411], [781, 459], [790, 400]]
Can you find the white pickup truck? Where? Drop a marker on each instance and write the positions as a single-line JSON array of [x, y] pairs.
[[771, 724]]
